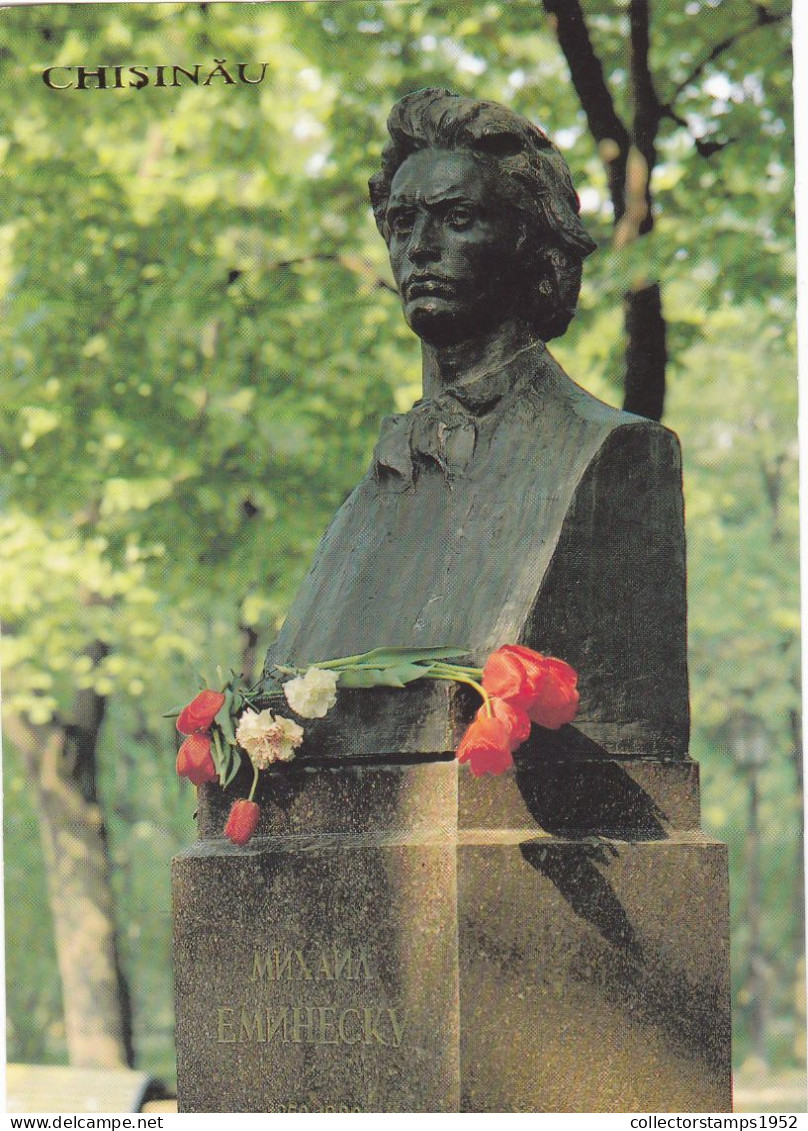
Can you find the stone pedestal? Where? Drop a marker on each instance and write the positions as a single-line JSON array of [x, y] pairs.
[[406, 938]]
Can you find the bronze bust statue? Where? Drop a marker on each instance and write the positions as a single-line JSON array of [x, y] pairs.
[[508, 505], [553, 937]]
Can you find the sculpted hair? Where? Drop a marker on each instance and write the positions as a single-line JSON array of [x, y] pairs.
[[533, 181]]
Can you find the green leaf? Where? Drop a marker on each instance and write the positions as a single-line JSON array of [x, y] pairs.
[[225, 717], [390, 657], [367, 677], [221, 755], [235, 764], [391, 676]]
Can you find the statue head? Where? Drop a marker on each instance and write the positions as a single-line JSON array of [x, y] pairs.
[[481, 218]]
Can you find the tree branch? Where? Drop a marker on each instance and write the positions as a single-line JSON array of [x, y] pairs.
[[764, 18], [639, 217], [647, 107], [586, 73]]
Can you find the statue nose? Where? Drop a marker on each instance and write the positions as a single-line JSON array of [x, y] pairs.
[[422, 246]]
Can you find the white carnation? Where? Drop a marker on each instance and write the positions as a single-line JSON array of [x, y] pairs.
[[268, 738], [312, 695]]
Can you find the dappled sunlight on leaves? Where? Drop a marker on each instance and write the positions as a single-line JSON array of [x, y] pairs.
[[201, 339]]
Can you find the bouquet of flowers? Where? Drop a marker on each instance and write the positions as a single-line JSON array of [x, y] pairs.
[[518, 687]]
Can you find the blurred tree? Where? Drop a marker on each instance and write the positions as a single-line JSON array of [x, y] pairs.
[[200, 335], [630, 155]]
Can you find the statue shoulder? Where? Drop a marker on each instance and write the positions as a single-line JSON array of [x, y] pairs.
[[617, 434], [640, 446], [612, 600]]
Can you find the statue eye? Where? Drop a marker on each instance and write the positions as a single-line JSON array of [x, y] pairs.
[[459, 217], [401, 223]]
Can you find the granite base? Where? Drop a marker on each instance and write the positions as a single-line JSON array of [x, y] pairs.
[[405, 938]]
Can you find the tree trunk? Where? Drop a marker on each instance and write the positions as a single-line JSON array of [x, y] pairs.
[[758, 1004], [586, 72], [629, 158], [60, 759], [646, 352], [795, 721]]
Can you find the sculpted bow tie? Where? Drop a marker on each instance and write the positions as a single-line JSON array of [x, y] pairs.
[[442, 430]]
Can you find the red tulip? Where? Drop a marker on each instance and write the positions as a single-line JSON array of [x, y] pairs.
[[542, 686], [557, 699], [201, 712], [243, 821], [486, 746], [194, 760], [504, 676], [515, 719]]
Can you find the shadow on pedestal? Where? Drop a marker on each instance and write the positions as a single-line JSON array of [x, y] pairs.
[[404, 937]]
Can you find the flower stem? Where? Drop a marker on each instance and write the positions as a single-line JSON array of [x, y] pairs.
[[254, 783], [340, 662], [449, 668], [478, 687]]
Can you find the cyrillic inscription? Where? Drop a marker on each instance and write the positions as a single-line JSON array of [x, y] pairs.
[[310, 1023], [329, 965]]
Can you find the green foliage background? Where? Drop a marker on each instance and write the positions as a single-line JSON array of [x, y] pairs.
[[199, 337]]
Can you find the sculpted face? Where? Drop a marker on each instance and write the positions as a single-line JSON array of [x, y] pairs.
[[453, 250]]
